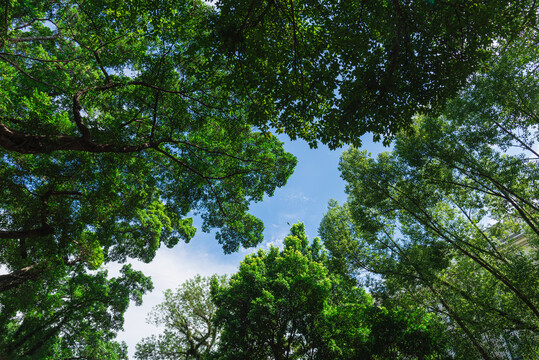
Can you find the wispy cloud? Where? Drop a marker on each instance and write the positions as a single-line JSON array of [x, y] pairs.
[[295, 197]]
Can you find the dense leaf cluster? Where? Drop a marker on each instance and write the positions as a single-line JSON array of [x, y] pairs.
[[76, 315], [442, 218], [332, 71], [286, 304]]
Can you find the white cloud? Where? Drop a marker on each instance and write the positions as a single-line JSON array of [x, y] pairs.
[[277, 242], [300, 196]]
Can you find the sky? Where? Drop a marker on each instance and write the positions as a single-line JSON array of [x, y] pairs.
[[304, 198]]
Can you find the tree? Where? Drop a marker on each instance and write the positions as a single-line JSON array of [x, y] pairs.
[[432, 252], [74, 316], [114, 127], [333, 71], [187, 315], [431, 216], [286, 305], [270, 306]]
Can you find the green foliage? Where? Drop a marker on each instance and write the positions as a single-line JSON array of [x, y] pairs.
[[118, 120], [332, 71], [73, 314], [187, 315], [269, 308], [287, 305], [433, 218], [116, 125]]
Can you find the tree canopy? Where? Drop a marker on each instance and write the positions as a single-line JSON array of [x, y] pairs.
[[115, 128], [434, 217], [187, 315], [121, 120], [131, 115], [121, 129], [336, 70], [285, 304]]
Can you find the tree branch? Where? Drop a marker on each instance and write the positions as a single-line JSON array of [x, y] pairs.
[[32, 38], [13, 140], [27, 234], [16, 278]]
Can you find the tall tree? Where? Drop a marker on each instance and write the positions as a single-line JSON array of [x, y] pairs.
[[284, 304], [270, 307], [114, 126], [431, 216], [187, 316]]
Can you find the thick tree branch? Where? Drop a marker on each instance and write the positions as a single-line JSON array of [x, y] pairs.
[[13, 140], [27, 234], [16, 278]]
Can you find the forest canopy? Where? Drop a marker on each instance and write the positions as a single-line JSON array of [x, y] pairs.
[[435, 221], [120, 121], [286, 304]]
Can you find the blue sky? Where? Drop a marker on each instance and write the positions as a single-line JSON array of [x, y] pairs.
[[315, 181]]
